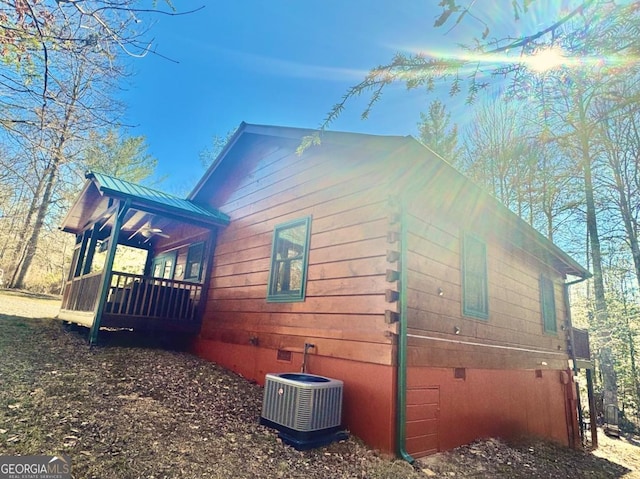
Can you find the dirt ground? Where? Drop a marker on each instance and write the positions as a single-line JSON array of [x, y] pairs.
[[128, 409]]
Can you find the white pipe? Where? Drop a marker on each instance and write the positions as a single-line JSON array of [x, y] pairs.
[[497, 346]]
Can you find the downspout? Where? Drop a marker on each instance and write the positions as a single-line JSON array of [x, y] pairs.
[[401, 386]]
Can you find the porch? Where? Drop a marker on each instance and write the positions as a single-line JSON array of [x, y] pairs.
[[141, 258]]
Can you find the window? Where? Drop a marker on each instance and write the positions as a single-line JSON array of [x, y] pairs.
[[194, 261], [548, 305], [475, 301], [289, 257], [163, 265]]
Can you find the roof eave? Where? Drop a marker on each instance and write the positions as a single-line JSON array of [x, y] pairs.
[[218, 160], [193, 214], [216, 219], [565, 263], [70, 210]]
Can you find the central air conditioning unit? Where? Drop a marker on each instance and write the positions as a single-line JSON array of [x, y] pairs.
[[306, 409]]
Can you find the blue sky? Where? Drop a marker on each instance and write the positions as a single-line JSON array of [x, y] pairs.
[[282, 62]]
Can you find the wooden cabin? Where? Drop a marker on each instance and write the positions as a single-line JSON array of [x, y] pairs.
[[445, 315]]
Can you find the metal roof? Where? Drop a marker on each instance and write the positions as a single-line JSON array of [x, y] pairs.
[[144, 196]]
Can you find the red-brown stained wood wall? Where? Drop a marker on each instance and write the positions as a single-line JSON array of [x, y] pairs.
[[435, 301], [444, 412], [498, 391], [343, 312]]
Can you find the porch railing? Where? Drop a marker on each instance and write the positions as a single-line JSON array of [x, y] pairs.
[[81, 293], [149, 297]]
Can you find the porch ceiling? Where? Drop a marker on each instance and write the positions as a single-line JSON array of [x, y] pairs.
[[152, 213]]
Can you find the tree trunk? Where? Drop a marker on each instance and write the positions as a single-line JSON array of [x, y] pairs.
[[32, 242], [632, 361], [547, 209], [9, 231], [18, 254], [47, 184], [607, 367]]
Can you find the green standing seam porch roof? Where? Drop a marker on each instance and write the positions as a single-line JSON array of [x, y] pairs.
[[144, 196]]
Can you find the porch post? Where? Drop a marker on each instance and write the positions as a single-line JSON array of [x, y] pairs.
[[207, 272], [108, 266], [593, 415]]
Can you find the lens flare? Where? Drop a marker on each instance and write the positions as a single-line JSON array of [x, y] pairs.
[[545, 59]]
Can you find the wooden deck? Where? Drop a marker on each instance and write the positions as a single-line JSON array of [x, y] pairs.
[[136, 302]]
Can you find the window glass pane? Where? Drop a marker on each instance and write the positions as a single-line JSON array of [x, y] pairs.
[[194, 270], [475, 293], [288, 275], [167, 268], [194, 261], [290, 242]]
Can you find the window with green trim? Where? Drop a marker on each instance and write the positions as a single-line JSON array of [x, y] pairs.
[[164, 265], [548, 305], [195, 256], [289, 258], [475, 296]]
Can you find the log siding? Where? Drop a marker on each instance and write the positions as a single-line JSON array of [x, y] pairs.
[[343, 312], [442, 336]]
